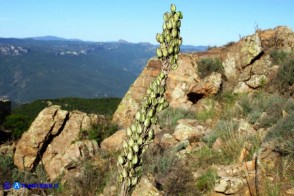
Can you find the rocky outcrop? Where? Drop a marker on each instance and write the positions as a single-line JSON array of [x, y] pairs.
[[54, 138], [114, 142], [246, 66]]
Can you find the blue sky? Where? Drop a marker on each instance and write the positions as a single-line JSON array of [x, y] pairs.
[[206, 22]]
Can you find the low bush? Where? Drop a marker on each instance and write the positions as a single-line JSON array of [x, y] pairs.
[[99, 132], [278, 57], [169, 117], [207, 181], [18, 123], [208, 65]]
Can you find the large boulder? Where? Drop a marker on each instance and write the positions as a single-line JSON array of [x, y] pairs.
[[188, 129], [114, 142], [53, 138]]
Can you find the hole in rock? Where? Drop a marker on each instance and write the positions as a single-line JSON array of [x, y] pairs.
[[194, 97]]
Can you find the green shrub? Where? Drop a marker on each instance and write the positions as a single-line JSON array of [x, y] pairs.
[[278, 57], [6, 167], [283, 134], [285, 74], [207, 181], [170, 116], [99, 132], [207, 113], [18, 123], [208, 65]]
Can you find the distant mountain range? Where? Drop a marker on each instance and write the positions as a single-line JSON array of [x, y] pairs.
[[54, 67]]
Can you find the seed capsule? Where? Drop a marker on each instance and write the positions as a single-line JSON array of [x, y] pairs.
[[124, 173], [125, 144], [147, 122], [140, 140], [177, 16], [150, 112], [165, 104], [172, 60], [135, 160], [154, 119], [159, 52], [164, 26], [120, 159], [135, 136], [174, 66], [174, 33], [166, 16], [154, 101], [151, 134], [130, 155], [138, 115], [128, 180], [159, 108], [140, 129], [134, 180], [168, 38], [142, 119], [170, 49], [133, 128], [120, 179], [164, 52], [172, 8], [179, 24], [181, 14], [176, 49], [161, 38], [129, 131], [136, 148], [157, 37], [161, 75], [131, 142]]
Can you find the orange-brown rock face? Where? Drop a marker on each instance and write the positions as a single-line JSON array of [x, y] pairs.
[[246, 66]]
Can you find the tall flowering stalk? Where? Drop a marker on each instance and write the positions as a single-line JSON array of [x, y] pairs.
[[140, 133]]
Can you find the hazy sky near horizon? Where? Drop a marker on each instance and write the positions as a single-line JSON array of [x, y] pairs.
[[206, 22]]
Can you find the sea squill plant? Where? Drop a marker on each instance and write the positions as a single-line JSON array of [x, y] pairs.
[[140, 133]]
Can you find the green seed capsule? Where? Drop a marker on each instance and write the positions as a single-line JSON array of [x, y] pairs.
[[170, 49], [166, 16], [150, 112], [140, 140], [142, 119], [164, 26], [161, 75], [159, 108], [157, 37], [130, 155], [159, 52], [125, 144], [161, 38], [138, 115], [133, 128], [135, 136], [177, 16], [124, 173], [172, 8], [128, 180], [174, 33], [162, 45], [154, 119], [136, 148], [165, 104], [131, 142], [135, 160], [129, 131], [120, 159], [179, 24], [172, 60], [134, 180], [149, 91], [164, 52], [181, 14], [151, 134], [176, 49], [169, 25], [154, 102], [147, 122], [140, 129], [168, 38]]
